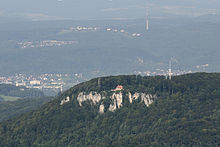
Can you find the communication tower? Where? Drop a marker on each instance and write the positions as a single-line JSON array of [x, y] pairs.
[[170, 70], [147, 19]]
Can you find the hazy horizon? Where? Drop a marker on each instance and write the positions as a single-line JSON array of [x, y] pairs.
[[104, 9], [186, 31]]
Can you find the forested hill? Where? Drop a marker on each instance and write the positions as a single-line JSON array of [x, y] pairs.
[[125, 111]]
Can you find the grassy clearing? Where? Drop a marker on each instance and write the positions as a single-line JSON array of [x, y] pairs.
[[10, 98]]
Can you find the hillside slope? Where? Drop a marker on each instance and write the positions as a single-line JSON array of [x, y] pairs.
[[182, 111]]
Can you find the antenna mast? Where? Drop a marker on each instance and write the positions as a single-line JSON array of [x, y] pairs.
[[147, 21], [170, 70]]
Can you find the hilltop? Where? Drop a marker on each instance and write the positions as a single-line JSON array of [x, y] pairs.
[[125, 111]]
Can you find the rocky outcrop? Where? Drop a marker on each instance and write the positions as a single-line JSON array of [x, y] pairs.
[[146, 98], [133, 97], [101, 109], [66, 100], [116, 98], [92, 96]]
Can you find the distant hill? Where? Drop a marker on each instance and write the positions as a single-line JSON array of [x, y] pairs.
[[102, 9], [191, 42], [143, 111], [17, 100], [11, 92], [10, 109]]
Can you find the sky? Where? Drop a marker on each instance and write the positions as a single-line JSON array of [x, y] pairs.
[[104, 9]]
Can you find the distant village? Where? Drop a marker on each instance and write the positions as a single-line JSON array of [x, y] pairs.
[[44, 43], [53, 43], [61, 82], [105, 29]]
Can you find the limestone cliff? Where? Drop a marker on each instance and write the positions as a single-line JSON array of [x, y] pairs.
[[66, 100], [117, 99], [92, 96], [146, 98]]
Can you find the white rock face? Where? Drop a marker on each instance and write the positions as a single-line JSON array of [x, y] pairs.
[[101, 109], [118, 99], [135, 96], [67, 99], [146, 98], [112, 107], [92, 96]]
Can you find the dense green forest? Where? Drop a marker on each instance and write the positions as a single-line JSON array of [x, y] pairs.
[[186, 113]]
